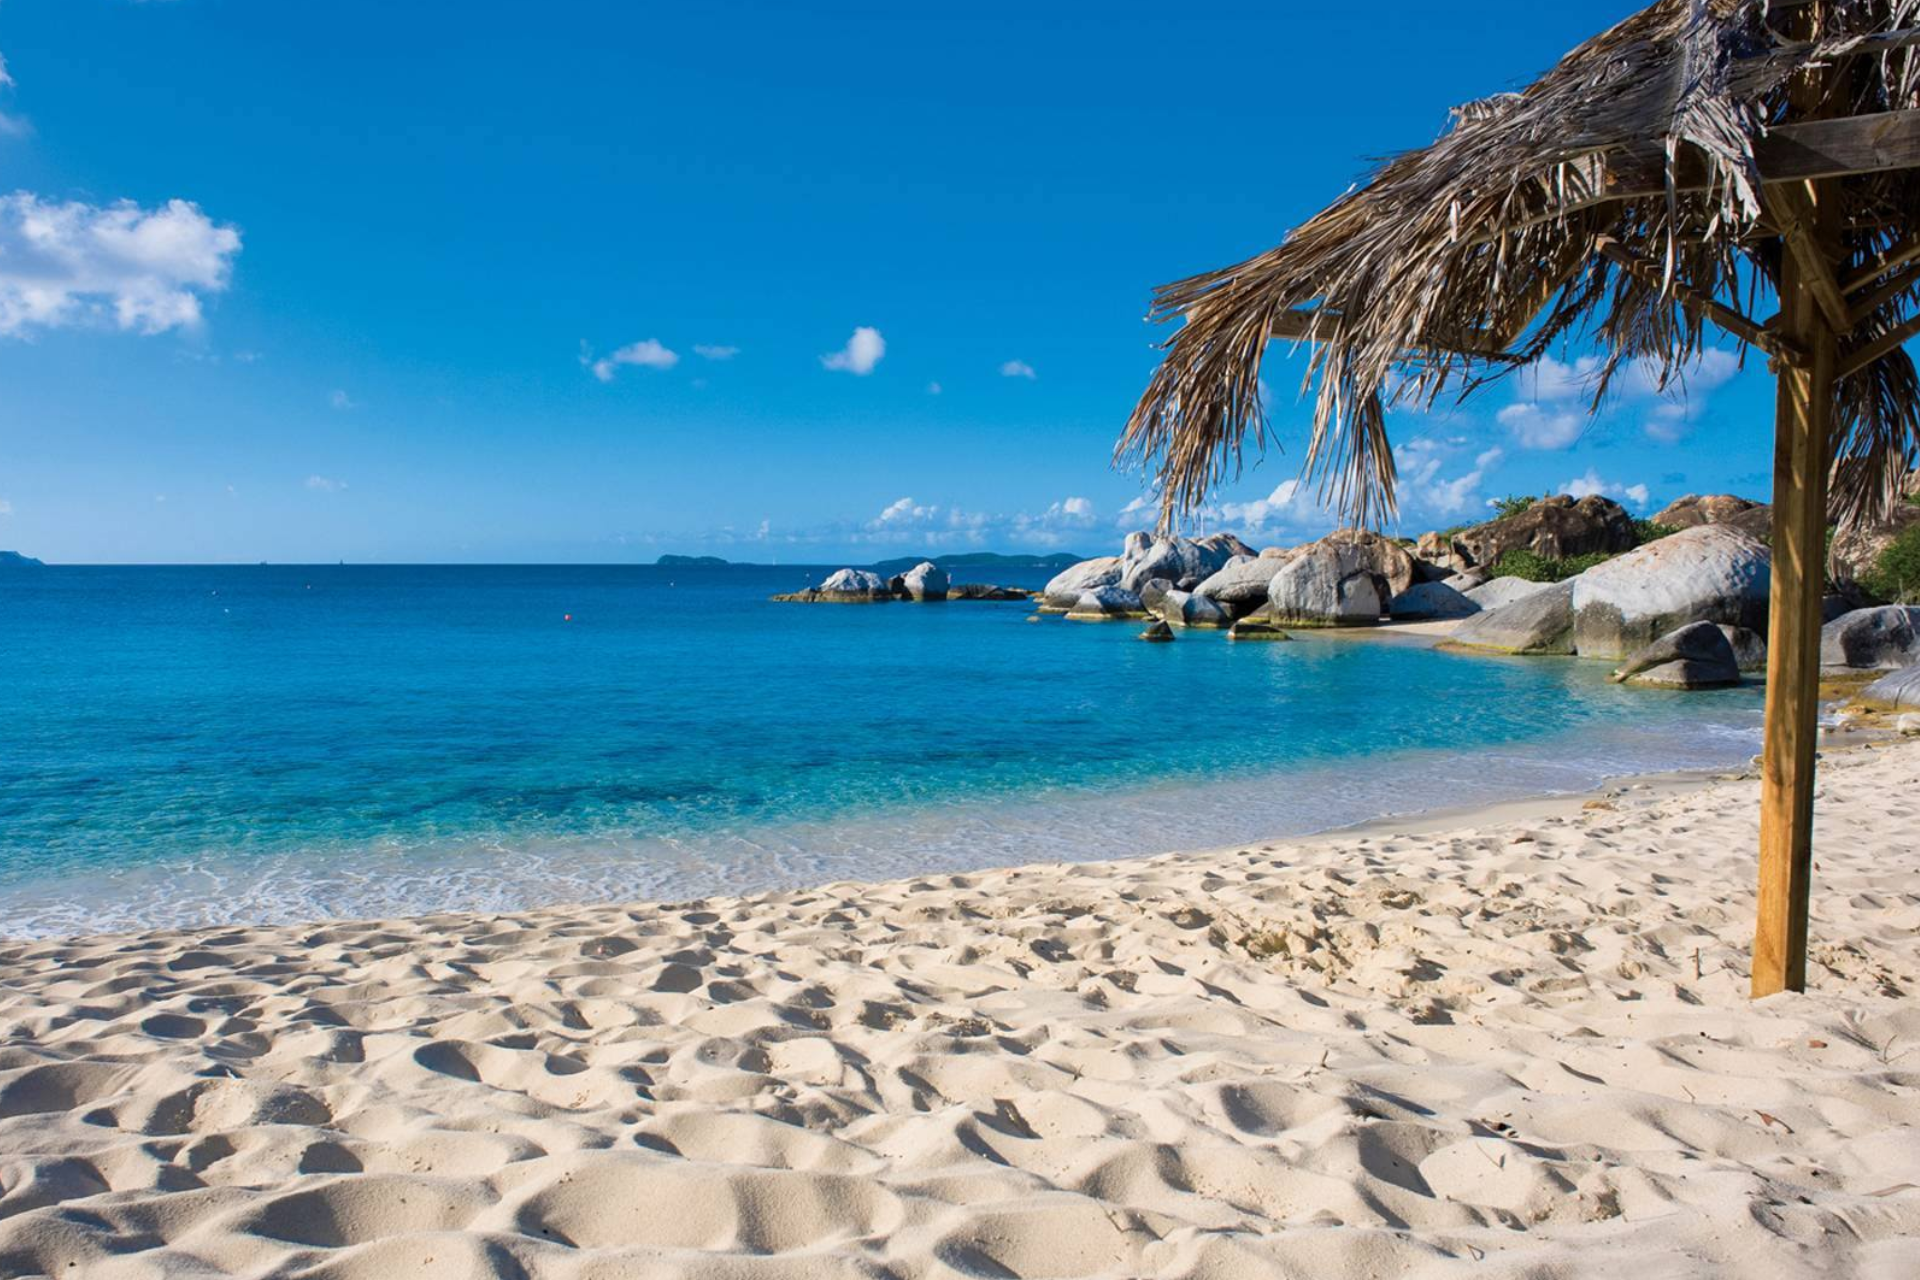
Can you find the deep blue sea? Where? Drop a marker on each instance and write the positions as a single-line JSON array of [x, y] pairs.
[[207, 744]]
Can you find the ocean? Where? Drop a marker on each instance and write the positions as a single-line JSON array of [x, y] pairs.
[[203, 745]]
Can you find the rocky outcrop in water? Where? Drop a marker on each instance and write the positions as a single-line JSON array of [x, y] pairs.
[[1711, 573], [925, 581], [1189, 609], [1328, 584], [1067, 586], [1104, 603], [1240, 586], [1696, 656], [844, 586], [1184, 562]]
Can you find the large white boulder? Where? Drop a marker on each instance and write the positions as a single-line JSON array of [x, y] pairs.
[[1326, 585], [1067, 586], [925, 581], [1102, 603], [853, 585], [1494, 592], [1710, 573], [1189, 609], [1897, 692], [1880, 639], [1697, 656], [1185, 562], [1541, 622], [1425, 600], [1240, 586]]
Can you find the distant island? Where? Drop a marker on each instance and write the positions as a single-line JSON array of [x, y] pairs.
[[979, 560], [692, 562], [15, 560]]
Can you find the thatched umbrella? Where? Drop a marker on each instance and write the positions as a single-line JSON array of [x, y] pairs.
[[1668, 174]]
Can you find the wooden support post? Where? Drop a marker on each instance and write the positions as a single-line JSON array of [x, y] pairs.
[[1803, 422]]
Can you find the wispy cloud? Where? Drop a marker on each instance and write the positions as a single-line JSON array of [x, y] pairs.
[[1555, 403], [342, 401], [933, 388], [6, 507], [1426, 488], [862, 352], [1018, 369], [140, 270], [708, 352], [325, 484], [647, 354]]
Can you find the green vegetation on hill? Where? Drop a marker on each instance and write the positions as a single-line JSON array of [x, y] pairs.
[[1534, 567], [1895, 575], [684, 562], [1645, 531]]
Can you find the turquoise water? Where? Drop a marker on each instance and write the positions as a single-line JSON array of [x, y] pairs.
[[195, 745]]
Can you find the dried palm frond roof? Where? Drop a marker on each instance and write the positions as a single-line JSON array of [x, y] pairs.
[[1642, 188]]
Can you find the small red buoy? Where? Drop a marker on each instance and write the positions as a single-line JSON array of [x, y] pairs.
[[567, 618]]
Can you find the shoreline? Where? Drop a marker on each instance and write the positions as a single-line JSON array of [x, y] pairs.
[[1145, 800]]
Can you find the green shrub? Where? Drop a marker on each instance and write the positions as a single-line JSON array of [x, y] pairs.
[[1511, 505], [1895, 575], [1534, 567], [1645, 531]]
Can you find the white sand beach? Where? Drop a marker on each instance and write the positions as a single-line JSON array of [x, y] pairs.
[[1514, 1045]]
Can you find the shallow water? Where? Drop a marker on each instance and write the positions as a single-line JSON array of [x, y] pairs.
[[195, 745]]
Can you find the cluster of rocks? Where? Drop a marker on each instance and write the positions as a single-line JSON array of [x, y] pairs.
[[1636, 608], [1687, 610], [925, 582]]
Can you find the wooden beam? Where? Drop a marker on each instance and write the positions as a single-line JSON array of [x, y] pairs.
[[1803, 422], [1803, 425], [1803, 152], [1734, 322], [1880, 346], [1892, 287], [1897, 256], [1792, 209]]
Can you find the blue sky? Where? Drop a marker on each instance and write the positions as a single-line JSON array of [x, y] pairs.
[[596, 281]]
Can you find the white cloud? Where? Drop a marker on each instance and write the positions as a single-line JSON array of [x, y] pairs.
[[907, 521], [650, 354], [901, 512], [1534, 427], [6, 507], [1424, 490], [1286, 499], [707, 352], [863, 351], [144, 270], [1018, 369], [933, 388], [323, 484], [1591, 484], [342, 401]]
